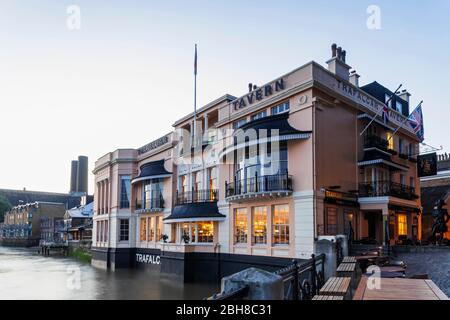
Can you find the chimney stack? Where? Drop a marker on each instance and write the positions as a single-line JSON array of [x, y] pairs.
[[404, 94], [354, 78], [337, 64], [82, 174], [73, 176]]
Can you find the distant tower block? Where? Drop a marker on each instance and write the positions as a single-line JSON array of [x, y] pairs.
[[73, 176], [82, 174]]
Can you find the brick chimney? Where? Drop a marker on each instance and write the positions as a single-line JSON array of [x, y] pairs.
[[337, 63]]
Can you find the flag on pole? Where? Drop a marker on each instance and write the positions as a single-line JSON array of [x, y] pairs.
[[195, 61], [415, 119]]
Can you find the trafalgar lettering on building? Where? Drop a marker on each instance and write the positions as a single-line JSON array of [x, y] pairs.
[[148, 258], [370, 103], [259, 94], [154, 144]]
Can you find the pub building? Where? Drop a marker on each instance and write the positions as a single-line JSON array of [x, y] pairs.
[[262, 177]]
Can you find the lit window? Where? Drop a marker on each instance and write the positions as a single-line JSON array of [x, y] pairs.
[[259, 115], [205, 231], [158, 228], [402, 225], [260, 225], [151, 228], [124, 230], [143, 229], [240, 225], [390, 140], [331, 221], [281, 224], [284, 107]]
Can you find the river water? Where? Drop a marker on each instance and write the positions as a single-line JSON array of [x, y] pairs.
[[26, 275]]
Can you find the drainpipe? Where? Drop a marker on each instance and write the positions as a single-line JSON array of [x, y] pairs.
[[314, 102]]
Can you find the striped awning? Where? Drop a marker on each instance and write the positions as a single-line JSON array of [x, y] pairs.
[[385, 162]]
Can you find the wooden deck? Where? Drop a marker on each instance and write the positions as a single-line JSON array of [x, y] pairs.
[[400, 289]]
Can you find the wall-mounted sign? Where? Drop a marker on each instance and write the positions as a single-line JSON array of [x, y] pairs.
[[259, 94], [427, 165], [148, 258], [154, 144]]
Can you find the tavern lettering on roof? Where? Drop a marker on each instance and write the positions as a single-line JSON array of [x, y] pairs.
[[259, 94]]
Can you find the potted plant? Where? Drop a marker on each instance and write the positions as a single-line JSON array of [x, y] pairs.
[[185, 238], [164, 238]]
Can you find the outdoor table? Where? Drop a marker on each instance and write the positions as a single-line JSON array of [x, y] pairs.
[[336, 286], [388, 274], [349, 259], [393, 269], [325, 297], [399, 289]]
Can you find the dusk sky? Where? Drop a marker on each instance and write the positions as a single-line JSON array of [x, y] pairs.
[[123, 79]]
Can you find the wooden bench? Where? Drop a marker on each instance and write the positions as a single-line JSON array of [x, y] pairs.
[[336, 286], [349, 259], [322, 297], [348, 270]]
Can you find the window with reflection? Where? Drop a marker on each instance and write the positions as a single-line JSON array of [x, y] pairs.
[[259, 225], [125, 191], [158, 228], [331, 221], [280, 224], [152, 193], [240, 225]]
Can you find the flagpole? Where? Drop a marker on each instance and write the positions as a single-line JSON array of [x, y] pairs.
[[404, 121], [195, 94], [376, 114]]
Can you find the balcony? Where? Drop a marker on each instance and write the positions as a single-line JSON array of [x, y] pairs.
[[154, 204], [373, 141], [387, 189], [259, 186], [196, 196]]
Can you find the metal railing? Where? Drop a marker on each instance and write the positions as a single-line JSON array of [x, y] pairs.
[[301, 281], [387, 188], [155, 202], [194, 196], [266, 183], [374, 141]]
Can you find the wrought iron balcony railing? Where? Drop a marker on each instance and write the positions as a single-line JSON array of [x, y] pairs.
[[387, 188], [266, 183], [373, 141], [206, 195], [155, 202]]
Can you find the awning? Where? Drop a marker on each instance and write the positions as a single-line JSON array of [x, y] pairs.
[[152, 170], [199, 211], [383, 161], [277, 122]]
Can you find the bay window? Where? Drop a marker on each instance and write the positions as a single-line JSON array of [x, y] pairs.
[[197, 232]]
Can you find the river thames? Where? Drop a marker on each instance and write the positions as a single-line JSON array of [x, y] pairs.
[[26, 275]]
